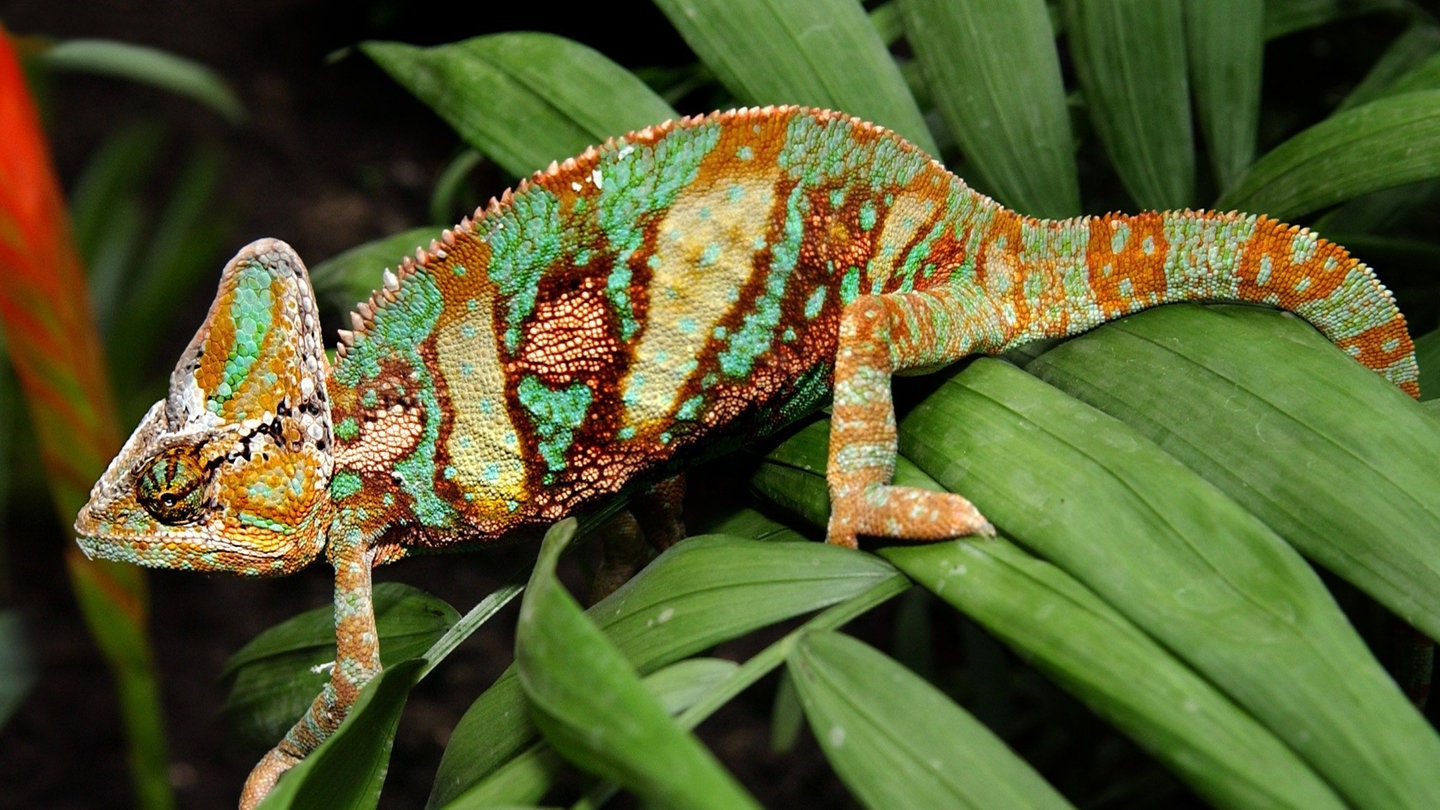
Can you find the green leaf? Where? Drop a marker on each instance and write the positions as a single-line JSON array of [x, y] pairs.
[[280, 671], [17, 665], [1384, 143], [1130, 59], [1369, 499], [1183, 562], [698, 593], [1124, 675], [545, 97], [1225, 45], [896, 741], [1427, 355], [350, 277], [822, 53], [1407, 64], [137, 63], [1074, 636], [348, 770], [627, 736], [995, 77], [1288, 16]]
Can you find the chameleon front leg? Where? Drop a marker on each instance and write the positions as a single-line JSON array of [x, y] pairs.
[[880, 335], [357, 660]]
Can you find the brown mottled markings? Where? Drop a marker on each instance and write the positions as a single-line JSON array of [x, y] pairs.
[[572, 334]]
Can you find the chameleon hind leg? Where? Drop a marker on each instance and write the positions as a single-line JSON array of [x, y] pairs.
[[357, 660], [880, 335], [649, 524]]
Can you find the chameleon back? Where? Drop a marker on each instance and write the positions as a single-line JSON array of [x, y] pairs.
[[682, 282]]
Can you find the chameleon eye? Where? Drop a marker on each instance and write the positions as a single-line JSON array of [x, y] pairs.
[[172, 488]]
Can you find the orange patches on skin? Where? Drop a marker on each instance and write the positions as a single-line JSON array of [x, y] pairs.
[[462, 276], [1380, 346], [1127, 278], [1268, 273], [742, 154], [218, 345]]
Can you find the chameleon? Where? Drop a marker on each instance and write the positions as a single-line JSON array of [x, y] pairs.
[[705, 279]]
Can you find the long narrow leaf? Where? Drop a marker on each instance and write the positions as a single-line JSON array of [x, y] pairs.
[[1384, 143], [822, 53], [1130, 59], [1369, 500], [1186, 564], [699, 593], [897, 741], [627, 737], [547, 98], [349, 770], [980, 57], [161, 69], [1225, 49]]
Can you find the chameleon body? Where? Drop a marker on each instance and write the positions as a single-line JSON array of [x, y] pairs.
[[707, 278]]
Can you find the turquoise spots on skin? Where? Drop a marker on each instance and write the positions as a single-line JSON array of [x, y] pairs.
[[709, 255], [745, 153], [344, 484], [1201, 259], [1266, 268], [1127, 287], [398, 328], [524, 240], [459, 270], [687, 326], [449, 472], [556, 414], [814, 303], [252, 311], [347, 429], [837, 197], [1302, 247], [868, 215], [1120, 235], [735, 193], [752, 338], [627, 432], [1147, 246], [850, 285], [690, 408]]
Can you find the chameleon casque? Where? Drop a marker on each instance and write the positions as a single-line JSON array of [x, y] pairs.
[[711, 277]]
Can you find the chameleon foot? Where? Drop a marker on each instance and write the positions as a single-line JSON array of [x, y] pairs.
[[904, 512]]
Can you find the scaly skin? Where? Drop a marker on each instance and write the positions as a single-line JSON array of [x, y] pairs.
[[706, 279]]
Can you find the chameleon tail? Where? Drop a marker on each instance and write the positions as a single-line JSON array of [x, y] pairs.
[[1139, 261]]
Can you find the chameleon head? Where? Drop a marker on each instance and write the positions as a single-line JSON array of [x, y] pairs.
[[230, 471]]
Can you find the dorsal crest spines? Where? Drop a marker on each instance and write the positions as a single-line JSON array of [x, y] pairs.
[[580, 169]]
